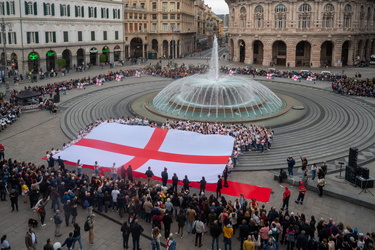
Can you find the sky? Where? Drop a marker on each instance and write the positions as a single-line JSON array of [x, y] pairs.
[[218, 6]]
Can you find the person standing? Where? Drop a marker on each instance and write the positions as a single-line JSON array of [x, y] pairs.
[[174, 182], [181, 220], [149, 175], [48, 245], [244, 232], [114, 171], [302, 191], [314, 168], [186, 183], [14, 199], [167, 222], [225, 175], [41, 210], [136, 231], [228, 233], [199, 228], [73, 209], [171, 243], [219, 186], [290, 237], [30, 239], [191, 214], [68, 241], [129, 172], [77, 236], [291, 163], [248, 244], [286, 197], [321, 183], [202, 185], [91, 222], [79, 167], [155, 238], [2, 152], [4, 244], [304, 163], [164, 177], [125, 229], [215, 232], [67, 207], [58, 221], [96, 168]]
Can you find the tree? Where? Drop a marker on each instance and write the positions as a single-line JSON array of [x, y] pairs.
[[103, 58], [61, 63]]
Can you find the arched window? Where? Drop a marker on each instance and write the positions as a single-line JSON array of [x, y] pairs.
[[328, 16], [348, 16], [280, 16], [259, 18], [243, 17], [362, 15], [304, 17]]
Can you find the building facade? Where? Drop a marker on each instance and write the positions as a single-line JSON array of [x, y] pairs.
[[159, 29], [310, 33], [78, 31]]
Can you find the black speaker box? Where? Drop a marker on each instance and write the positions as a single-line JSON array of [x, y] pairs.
[[353, 156], [350, 174], [364, 183], [365, 173]]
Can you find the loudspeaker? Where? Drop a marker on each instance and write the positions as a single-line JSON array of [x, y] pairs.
[[365, 173], [353, 155], [350, 174], [364, 183], [56, 98]]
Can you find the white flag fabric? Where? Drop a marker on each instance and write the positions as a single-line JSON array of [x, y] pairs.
[[181, 152]]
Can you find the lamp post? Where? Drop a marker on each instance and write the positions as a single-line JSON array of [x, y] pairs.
[[4, 25], [172, 27]]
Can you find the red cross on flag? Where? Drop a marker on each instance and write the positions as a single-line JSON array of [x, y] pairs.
[[269, 76], [138, 74], [230, 72], [99, 81], [295, 77], [118, 77], [79, 85], [181, 152], [309, 78]]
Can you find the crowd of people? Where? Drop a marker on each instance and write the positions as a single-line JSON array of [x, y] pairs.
[[9, 113], [355, 87], [61, 192]]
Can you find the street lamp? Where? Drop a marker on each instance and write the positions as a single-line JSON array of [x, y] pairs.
[[4, 25], [172, 27]]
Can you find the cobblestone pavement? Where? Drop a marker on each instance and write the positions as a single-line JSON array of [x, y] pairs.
[[37, 132]]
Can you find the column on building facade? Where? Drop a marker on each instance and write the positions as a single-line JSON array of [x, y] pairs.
[[249, 51], [315, 53], [236, 52], [337, 54], [144, 51], [291, 54], [267, 53]]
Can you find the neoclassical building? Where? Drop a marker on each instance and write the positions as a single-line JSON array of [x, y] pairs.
[[78, 31], [311, 33]]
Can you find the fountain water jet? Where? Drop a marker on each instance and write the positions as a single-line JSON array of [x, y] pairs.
[[216, 97]]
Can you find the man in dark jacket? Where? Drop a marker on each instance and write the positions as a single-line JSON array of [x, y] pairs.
[[215, 231], [167, 221], [302, 242], [219, 186], [244, 232], [136, 231], [164, 178], [149, 175]]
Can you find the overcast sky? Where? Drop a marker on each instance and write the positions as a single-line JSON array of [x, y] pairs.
[[218, 6]]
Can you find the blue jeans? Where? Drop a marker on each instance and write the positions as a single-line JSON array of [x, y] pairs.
[[156, 247], [78, 238], [227, 242], [189, 226], [290, 171], [213, 243], [313, 174], [55, 205]]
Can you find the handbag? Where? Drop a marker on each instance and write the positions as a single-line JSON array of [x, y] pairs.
[[40, 210], [194, 229]]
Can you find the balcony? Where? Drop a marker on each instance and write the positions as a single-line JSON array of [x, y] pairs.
[[135, 9]]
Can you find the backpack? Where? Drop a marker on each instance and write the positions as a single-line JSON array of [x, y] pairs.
[[86, 226], [86, 203], [154, 241]]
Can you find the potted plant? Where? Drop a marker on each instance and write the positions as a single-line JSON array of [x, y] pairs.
[[61, 63], [103, 59]]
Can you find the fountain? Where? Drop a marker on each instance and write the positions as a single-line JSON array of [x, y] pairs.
[[216, 97]]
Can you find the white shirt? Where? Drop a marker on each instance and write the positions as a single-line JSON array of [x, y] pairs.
[[114, 194]]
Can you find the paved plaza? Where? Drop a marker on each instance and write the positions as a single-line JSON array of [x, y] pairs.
[[37, 132]]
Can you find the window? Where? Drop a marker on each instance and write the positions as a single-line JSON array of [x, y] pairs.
[[305, 8], [154, 5], [329, 8], [31, 8], [259, 9], [64, 10], [49, 9], [135, 15], [173, 16], [116, 35], [66, 36], [243, 17], [10, 9], [105, 35], [154, 27], [32, 37], [348, 16], [12, 38], [50, 37], [178, 5], [92, 12], [154, 16], [116, 14], [142, 5], [134, 5], [92, 35], [280, 8], [79, 36], [165, 16], [165, 27], [164, 6], [328, 16], [178, 16], [2, 8], [79, 11], [172, 6], [105, 12]]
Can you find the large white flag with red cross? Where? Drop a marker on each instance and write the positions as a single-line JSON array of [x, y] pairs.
[[181, 152]]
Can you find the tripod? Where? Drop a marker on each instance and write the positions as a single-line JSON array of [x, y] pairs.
[[365, 189]]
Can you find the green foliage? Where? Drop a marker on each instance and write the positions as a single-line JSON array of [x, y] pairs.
[[103, 58], [61, 62]]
